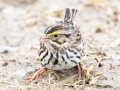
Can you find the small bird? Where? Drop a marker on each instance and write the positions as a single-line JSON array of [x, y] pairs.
[[62, 46]]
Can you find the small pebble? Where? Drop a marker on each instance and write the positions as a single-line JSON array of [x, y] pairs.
[[117, 88], [5, 51], [30, 69], [37, 58], [5, 64], [100, 65], [20, 73], [31, 22]]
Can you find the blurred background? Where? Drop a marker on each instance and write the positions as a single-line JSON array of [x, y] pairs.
[[22, 22], [29, 18]]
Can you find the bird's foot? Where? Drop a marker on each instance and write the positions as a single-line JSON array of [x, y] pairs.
[[37, 74], [79, 71]]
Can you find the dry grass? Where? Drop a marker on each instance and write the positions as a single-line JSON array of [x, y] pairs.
[[22, 24]]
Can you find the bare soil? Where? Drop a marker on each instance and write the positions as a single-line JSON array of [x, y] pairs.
[[22, 22]]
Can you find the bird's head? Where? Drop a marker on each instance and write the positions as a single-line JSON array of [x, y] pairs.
[[61, 35]]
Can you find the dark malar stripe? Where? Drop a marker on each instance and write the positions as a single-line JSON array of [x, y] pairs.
[[53, 46], [41, 46], [57, 41]]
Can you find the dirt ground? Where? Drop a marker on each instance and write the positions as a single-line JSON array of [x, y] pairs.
[[22, 22]]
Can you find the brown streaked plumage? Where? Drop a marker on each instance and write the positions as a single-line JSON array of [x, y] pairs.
[[61, 47]]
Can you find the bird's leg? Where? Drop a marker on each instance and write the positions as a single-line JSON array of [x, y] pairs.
[[79, 71], [37, 74]]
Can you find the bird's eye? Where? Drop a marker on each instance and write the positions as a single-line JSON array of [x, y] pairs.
[[56, 35]]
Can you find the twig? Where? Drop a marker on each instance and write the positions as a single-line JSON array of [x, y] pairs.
[[93, 48], [55, 73], [5, 40], [83, 87], [21, 40], [49, 82], [115, 44], [38, 33], [69, 79]]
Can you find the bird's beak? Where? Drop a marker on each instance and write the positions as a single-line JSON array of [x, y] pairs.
[[44, 39]]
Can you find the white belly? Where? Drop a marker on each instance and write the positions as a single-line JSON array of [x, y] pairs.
[[61, 60]]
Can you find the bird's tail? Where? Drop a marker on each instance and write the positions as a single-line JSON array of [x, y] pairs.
[[70, 14]]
